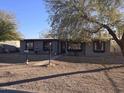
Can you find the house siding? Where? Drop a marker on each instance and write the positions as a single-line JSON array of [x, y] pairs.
[[78, 52], [90, 52], [87, 48], [22, 46], [38, 46]]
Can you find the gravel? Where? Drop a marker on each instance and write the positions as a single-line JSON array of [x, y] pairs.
[[64, 77]]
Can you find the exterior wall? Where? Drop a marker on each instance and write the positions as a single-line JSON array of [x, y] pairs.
[[90, 52], [114, 48], [55, 47], [77, 52], [9, 46], [22, 46], [87, 48], [59, 47], [1, 50], [38, 46]]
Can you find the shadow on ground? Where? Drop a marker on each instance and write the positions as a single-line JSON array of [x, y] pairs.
[[93, 60], [111, 80], [14, 58], [59, 75], [13, 91]]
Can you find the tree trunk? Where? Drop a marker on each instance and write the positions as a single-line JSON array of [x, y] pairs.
[[122, 44], [122, 51], [119, 42], [122, 48]]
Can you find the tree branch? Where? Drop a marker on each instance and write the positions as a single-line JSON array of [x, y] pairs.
[[112, 33], [93, 31]]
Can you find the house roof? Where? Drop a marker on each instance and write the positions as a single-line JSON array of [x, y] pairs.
[[61, 40], [39, 39]]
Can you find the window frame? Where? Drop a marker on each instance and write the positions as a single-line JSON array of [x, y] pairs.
[[102, 46], [47, 49], [81, 48], [30, 49]]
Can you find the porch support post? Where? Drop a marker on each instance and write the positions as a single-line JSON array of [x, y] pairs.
[[50, 44]]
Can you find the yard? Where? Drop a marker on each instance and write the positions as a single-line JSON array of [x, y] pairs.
[[66, 75]]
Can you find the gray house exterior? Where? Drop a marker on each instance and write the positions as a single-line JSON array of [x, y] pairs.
[[42, 46], [98, 48]]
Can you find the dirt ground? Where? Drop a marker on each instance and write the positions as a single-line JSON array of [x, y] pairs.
[[66, 75]]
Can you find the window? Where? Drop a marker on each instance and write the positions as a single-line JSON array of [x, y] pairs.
[[30, 45], [74, 46], [46, 45], [98, 46]]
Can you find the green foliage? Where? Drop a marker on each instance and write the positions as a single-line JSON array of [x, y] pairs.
[[77, 19], [8, 27]]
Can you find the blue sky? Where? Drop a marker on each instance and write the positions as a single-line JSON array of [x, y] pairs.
[[31, 16]]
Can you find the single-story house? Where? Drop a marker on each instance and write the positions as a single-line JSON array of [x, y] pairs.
[[42, 46]]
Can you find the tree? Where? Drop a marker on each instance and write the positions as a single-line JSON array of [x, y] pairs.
[[8, 27], [74, 16], [47, 34]]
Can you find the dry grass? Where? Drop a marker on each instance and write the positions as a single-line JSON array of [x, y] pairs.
[[67, 75]]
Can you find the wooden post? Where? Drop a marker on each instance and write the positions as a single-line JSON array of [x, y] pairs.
[[50, 44], [26, 54]]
